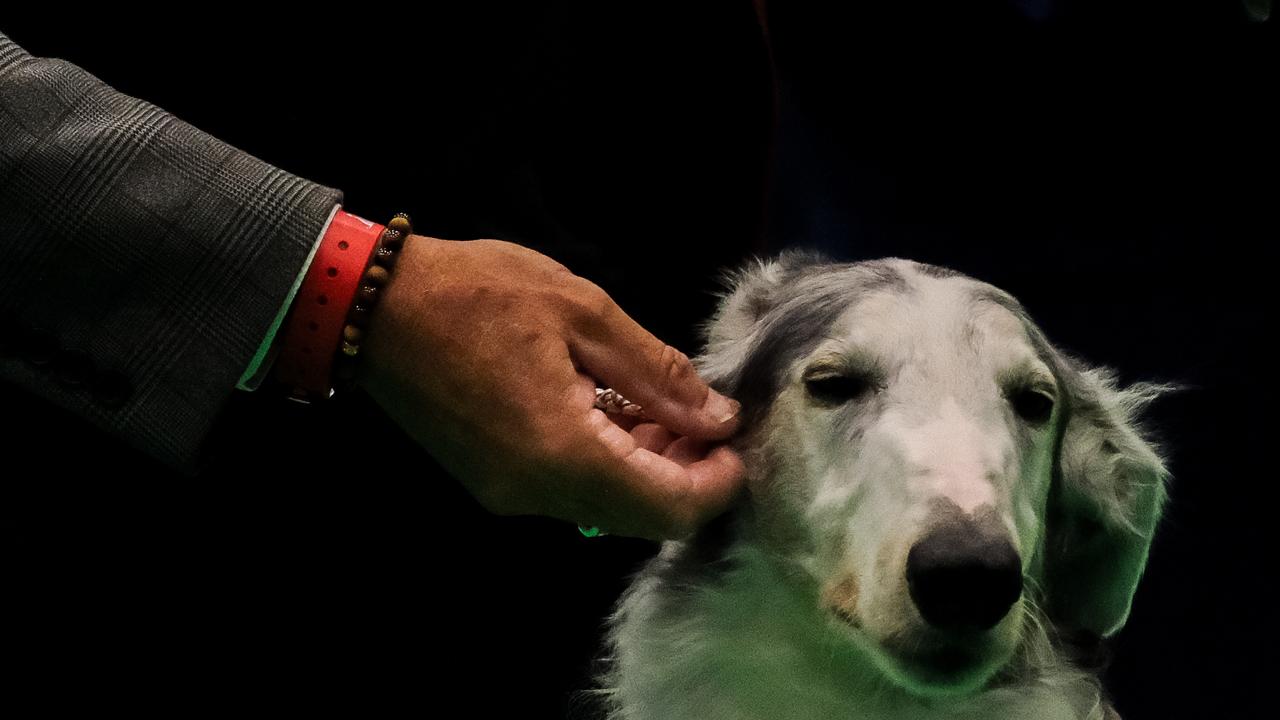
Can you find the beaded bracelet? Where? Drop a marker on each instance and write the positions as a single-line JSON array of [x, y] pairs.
[[375, 278], [326, 324]]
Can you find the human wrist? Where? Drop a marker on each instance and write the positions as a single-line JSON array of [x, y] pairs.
[[402, 298]]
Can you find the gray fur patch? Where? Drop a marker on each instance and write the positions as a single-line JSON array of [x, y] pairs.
[[802, 316], [937, 271]]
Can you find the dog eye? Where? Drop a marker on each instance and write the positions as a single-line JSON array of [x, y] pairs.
[[837, 388], [1032, 405]]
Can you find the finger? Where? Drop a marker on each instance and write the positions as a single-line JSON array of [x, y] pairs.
[[628, 422], [722, 476], [714, 481], [685, 451], [618, 352], [648, 490], [653, 437], [582, 395]]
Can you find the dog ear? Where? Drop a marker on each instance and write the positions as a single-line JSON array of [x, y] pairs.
[[1107, 497], [749, 293]]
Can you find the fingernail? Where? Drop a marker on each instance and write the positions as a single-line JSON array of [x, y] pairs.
[[723, 409]]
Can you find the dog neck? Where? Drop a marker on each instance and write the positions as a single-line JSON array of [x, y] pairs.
[[717, 628]]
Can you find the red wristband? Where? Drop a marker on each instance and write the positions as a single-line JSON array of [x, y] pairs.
[[314, 328]]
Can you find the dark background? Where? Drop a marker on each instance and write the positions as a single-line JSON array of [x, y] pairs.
[[1112, 164]]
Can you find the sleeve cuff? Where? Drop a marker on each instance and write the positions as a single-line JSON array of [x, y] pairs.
[[260, 365]]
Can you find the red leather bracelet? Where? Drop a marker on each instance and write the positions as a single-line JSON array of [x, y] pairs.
[[314, 328]]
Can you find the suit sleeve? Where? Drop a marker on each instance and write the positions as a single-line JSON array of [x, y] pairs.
[[142, 261]]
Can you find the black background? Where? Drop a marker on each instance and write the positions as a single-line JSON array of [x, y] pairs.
[[1111, 164]]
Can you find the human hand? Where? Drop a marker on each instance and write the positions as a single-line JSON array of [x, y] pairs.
[[487, 353]]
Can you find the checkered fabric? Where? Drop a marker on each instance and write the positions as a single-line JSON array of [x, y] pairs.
[[141, 260]]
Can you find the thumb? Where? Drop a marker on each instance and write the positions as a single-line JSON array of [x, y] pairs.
[[616, 351]]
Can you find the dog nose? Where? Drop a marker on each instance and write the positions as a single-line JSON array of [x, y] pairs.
[[962, 578]]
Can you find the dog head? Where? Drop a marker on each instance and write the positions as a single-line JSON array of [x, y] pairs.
[[945, 480]]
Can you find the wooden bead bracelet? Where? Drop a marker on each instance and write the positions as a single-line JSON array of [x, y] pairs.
[[372, 283], [327, 321]]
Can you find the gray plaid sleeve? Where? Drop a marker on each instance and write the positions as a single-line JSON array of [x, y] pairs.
[[143, 260]]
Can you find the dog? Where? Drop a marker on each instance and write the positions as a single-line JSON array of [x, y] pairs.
[[945, 515]]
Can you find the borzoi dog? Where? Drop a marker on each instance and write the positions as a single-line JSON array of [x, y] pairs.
[[945, 513]]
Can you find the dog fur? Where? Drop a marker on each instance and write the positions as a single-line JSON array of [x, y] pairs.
[[794, 604]]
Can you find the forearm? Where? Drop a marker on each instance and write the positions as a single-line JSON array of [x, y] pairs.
[[140, 253]]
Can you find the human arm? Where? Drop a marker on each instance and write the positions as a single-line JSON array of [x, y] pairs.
[[148, 261], [144, 259]]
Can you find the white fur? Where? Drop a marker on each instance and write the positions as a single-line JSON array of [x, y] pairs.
[[838, 495]]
